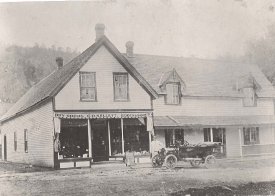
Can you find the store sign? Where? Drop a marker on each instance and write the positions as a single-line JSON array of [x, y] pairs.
[[102, 115], [105, 115], [71, 116]]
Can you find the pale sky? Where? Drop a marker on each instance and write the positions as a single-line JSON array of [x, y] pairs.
[[201, 28]]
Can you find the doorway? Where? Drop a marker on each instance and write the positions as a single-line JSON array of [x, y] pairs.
[[100, 142], [5, 147]]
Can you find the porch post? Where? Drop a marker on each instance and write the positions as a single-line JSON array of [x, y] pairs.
[[240, 137], [150, 138], [109, 137], [211, 134], [122, 136], [89, 138]]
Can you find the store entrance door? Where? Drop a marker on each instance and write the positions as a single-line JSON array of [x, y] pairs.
[[100, 143]]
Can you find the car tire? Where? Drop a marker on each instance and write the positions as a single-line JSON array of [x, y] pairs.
[[171, 161]]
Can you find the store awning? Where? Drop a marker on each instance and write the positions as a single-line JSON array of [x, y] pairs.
[[181, 121]]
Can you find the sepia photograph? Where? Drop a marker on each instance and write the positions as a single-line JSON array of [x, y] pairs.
[[122, 98]]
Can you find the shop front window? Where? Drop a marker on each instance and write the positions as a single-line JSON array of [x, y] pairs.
[[136, 137], [116, 141], [74, 138]]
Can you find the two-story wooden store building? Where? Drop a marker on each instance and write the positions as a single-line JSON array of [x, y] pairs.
[[104, 103]]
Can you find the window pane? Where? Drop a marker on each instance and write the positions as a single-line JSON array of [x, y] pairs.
[[87, 79], [207, 137], [179, 135], [88, 93], [246, 136], [121, 86]]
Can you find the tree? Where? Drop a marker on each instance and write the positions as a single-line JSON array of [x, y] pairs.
[[262, 53]]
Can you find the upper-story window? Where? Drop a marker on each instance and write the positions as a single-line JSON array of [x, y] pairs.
[[249, 97], [173, 93], [87, 86], [121, 87]]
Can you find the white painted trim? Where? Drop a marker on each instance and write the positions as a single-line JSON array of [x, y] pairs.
[[240, 137]]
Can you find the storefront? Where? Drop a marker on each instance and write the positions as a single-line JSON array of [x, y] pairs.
[[92, 137]]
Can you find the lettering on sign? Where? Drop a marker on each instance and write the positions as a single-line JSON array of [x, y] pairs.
[[72, 116], [105, 115], [102, 115], [133, 115]]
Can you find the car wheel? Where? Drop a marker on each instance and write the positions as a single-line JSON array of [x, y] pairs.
[[171, 161]]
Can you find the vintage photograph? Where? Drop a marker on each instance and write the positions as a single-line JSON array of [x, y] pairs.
[[109, 97]]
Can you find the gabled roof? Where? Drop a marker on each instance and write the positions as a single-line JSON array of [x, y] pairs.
[[202, 77], [52, 84], [170, 76]]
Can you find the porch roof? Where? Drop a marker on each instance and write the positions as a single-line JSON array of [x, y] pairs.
[[181, 121]]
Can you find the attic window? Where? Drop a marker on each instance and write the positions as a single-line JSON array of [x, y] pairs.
[[173, 93], [249, 99]]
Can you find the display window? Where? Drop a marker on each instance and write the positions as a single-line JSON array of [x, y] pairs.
[[73, 138], [136, 137], [116, 137]]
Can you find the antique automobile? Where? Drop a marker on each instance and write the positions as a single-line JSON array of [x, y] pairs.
[[196, 154]]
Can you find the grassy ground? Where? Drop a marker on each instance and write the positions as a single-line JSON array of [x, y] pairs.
[[250, 177]]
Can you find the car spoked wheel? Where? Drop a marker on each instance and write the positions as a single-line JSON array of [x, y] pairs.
[[171, 161], [156, 161], [210, 161]]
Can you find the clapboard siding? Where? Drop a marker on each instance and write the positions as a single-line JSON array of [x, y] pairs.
[[258, 149], [39, 124], [194, 106], [104, 64], [233, 145]]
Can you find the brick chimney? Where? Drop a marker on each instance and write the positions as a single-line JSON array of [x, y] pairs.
[[99, 31], [129, 49], [59, 62]]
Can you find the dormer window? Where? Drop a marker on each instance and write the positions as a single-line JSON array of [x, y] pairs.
[[249, 99], [173, 93]]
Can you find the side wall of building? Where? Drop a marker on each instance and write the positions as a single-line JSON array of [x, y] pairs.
[[39, 125]]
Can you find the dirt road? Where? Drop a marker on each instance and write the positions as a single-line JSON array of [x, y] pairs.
[[116, 179]]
